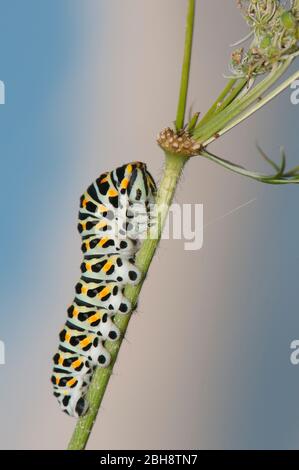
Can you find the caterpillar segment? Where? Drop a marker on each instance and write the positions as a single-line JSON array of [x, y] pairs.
[[114, 215], [94, 321]]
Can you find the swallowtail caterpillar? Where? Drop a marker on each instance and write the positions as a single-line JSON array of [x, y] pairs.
[[114, 214]]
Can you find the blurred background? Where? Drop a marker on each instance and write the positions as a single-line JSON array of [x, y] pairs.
[[88, 86]]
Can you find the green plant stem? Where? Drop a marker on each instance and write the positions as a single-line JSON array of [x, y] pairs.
[[172, 171], [228, 93], [270, 96], [203, 133], [181, 109], [285, 178]]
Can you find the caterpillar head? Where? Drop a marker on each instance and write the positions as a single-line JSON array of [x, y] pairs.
[[141, 186]]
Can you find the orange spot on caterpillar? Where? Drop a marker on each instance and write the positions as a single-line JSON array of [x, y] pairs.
[[107, 266], [124, 183], [104, 292], [103, 241], [94, 318], [71, 382], [75, 312], [85, 342], [76, 363], [85, 201], [101, 224], [112, 192], [102, 208]]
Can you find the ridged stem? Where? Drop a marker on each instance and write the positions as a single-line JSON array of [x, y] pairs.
[[181, 109]]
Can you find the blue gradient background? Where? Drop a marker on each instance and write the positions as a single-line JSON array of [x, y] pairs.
[[206, 364]]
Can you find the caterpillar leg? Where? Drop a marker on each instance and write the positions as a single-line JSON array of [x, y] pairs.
[[71, 377], [108, 329], [73, 401]]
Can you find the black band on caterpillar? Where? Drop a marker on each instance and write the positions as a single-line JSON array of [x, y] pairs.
[[114, 213]]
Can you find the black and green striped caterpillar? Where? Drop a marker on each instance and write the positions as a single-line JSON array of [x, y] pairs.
[[114, 213]]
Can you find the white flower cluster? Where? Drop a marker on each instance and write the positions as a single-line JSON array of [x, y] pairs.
[[274, 29]]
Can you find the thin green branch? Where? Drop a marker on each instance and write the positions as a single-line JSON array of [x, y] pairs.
[[267, 159], [228, 94], [258, 105], [217, 123], [181, 109], [173, 168], [279, 178]]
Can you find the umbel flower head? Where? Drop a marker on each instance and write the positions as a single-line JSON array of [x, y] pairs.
[[274, 29], [178, 143]]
